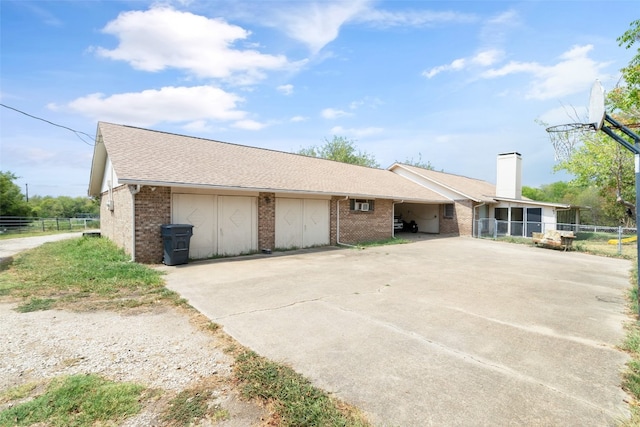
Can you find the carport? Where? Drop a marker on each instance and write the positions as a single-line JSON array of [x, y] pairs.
[[426, 216]]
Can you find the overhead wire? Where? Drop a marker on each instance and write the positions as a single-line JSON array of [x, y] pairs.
[[77, 133]]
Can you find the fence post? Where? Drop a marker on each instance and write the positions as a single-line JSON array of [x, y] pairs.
[[495, 229], [619, 240]]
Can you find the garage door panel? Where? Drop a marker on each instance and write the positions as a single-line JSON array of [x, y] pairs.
[[316, 223], [200, 211], [237, 232], [288, 223]]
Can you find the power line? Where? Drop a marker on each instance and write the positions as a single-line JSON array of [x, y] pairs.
[[76, 132]]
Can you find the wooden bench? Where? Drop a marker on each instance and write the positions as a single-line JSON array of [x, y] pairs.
[[554, 238]]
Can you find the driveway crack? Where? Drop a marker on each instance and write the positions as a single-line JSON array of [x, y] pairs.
[[262, 310]]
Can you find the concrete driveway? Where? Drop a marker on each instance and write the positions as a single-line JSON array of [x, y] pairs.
[[442, 331]]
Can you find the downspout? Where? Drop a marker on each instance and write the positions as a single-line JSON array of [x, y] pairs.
[[476, 216], [393, 230], [133, 191], [338, 225]]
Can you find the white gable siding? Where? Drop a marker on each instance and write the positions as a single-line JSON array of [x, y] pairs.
[[443, 191], [109, 177]]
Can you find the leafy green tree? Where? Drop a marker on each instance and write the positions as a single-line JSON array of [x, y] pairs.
[[12, 201], [628, 96], [63, 206], [342, 150]]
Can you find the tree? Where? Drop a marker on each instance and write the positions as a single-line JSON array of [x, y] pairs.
[[12, 201], [342, 150], [63, 206], [576, 195], [628, 96], [419, 163]]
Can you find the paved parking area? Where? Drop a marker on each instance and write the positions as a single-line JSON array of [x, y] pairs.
[[442, 331]]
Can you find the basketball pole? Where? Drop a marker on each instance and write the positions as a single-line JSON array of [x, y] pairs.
[[635, 149]]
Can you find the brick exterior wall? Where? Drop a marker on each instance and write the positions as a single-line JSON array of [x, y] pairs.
[[462, 221], [116, 225], [360, 227], [266, 221], [153, 209], [333, 218]]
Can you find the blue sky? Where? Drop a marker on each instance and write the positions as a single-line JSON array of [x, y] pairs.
[[453, 83]]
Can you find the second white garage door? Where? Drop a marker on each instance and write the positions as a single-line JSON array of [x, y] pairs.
[[301, 223]]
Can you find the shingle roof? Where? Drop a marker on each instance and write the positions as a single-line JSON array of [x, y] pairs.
[[141, 156], [475, 189]]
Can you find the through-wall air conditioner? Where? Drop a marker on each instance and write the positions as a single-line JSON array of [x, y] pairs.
[[364, 207]]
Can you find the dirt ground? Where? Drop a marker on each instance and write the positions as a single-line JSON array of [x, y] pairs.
[[165, 348]]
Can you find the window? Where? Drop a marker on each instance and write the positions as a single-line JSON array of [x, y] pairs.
[[361, 205], [449, 209]]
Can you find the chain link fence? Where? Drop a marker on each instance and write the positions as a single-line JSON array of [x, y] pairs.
[[22, 225], [606, 235]]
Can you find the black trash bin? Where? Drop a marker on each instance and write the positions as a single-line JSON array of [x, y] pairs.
[[175, 239]]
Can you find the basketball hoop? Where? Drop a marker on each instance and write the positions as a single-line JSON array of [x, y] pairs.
[[566, 137]]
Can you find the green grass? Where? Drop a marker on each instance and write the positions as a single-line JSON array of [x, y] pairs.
[[631, 376], [36, 304], [18, 392], [78, 400], [384, 242], [192, 405], [591, 243], [72, 270], [295, 401], [518, 240]]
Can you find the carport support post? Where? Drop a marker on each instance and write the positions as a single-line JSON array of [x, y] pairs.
[[635, 149]]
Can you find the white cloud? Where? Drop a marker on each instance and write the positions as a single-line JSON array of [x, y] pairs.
[[169, 104], [365, 102], [198, 127], [412, 18], [571, 74], [487, 57], [162, 37], [332, 113], [483, 58], [248, 125], [368, 131], [286, 89], [495, 30], [297, 119], [318, 23]]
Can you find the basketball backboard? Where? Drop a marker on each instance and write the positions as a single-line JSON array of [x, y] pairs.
[[596, 105]]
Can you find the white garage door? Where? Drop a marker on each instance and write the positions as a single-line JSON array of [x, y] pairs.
[[238, 231], [222, 225], [200, 211], [301, 223]]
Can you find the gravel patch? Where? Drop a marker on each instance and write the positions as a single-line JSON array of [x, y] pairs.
[[159, 349]]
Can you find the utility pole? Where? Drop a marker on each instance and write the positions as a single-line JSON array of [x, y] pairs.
[[27, 190]]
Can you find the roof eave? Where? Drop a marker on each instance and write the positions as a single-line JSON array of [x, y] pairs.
[[98, 164], [269, 190], [533, 202]]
